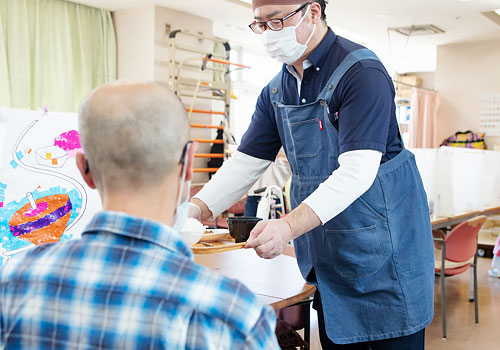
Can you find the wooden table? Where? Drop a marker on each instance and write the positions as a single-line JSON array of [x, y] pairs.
[[276, 282], [455, 220]]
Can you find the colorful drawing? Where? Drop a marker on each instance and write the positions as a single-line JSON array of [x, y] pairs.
[[70, 142], [43, 198], [51, 156], [30, 222], [42, 221]]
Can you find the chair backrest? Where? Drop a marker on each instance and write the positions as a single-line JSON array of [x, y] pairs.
[[461, 242]]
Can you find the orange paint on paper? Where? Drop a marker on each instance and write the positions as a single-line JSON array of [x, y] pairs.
[[44, 226], [48, 155], [54, 161], [29, 152]]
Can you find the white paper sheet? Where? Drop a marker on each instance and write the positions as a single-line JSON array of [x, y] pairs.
[[38, 157]]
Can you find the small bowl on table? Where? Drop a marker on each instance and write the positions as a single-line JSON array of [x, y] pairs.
[[192, 231], [241, 226]]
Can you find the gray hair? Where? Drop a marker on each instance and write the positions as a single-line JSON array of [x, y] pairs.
[[133, 134]]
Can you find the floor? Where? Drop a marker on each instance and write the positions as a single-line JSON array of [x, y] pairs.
[[462, 332]]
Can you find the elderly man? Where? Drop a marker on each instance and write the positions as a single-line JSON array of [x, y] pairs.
[[130, 281]]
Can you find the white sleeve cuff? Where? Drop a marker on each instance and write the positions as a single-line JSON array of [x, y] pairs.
[[232, 182], [355, 175]]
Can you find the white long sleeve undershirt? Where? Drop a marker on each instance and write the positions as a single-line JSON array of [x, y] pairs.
[[355, 175], [232, 181]]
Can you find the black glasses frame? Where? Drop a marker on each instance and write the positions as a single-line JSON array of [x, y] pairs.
[[87, 169], [266, 25], [185, 149]]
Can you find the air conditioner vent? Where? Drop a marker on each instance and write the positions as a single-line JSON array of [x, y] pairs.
[[426, 29]]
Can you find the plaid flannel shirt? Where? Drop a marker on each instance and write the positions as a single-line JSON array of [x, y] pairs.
[[127, 283]]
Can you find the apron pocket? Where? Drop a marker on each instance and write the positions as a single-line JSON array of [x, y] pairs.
[[356, 253], [306, 138]]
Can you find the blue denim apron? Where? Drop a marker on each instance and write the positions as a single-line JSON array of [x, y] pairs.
[[374, 262]]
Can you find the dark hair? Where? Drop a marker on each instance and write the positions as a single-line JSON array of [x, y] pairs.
[[322, 4]]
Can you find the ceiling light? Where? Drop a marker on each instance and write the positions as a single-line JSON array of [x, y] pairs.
[[493, 16]]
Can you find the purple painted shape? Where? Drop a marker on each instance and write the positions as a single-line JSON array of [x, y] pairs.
[[47, 220], [68, 141], [40, 207]]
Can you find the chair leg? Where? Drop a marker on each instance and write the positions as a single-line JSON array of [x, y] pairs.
[[471, 285], [443, 299], [475, 290], [443, 304], [307, 325]]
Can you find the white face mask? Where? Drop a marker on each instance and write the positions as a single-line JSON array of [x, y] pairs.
[[283, 46], [182, 211]]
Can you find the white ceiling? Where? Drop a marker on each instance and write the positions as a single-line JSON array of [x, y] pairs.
[[365, 21]]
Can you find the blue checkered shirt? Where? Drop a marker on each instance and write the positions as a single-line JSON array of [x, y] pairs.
[[127, 283]]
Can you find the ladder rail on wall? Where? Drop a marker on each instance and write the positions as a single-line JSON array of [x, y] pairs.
[[179, 83], [199, 88], [217, 90]]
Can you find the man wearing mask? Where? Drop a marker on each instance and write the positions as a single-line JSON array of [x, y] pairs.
[[130, 281], [360, 223]]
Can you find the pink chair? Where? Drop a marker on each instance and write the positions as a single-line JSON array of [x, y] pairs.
[[458, 254]]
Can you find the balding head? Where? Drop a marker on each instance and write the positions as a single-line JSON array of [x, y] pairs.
[[133, 134]]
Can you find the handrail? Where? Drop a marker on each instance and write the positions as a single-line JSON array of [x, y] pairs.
[[215, 60], [209, 155], [174, 33], [203, 126], [216, 141], [205, 170], [202, 111]]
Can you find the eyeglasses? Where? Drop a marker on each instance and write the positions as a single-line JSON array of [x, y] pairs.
[[274, 24]]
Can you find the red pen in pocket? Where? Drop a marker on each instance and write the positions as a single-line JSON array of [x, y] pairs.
[[320, 125]]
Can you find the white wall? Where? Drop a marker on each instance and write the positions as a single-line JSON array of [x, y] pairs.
[[135, 43], [177, 20], [464, 72], [428, 79], [143, 42]]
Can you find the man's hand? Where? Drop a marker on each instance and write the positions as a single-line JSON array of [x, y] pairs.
[[269, 238], [205, 213], [194, 211]]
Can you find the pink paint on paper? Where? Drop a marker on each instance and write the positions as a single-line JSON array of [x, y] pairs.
[[1, 204], [69, 142], [40, 208]]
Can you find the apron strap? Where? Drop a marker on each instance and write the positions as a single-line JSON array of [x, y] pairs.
[[350, 60]]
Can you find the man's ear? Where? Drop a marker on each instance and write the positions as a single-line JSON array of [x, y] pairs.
[[82, 165], [315, 12], [190, 162]]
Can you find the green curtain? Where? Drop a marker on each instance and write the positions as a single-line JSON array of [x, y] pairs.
[[53, 52]]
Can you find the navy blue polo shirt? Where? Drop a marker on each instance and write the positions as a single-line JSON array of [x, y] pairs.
[[362, 107]]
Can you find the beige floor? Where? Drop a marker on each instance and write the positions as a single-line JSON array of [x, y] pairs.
[[463, 334]]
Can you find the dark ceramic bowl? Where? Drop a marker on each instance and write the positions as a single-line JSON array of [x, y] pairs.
[[240, 227]]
